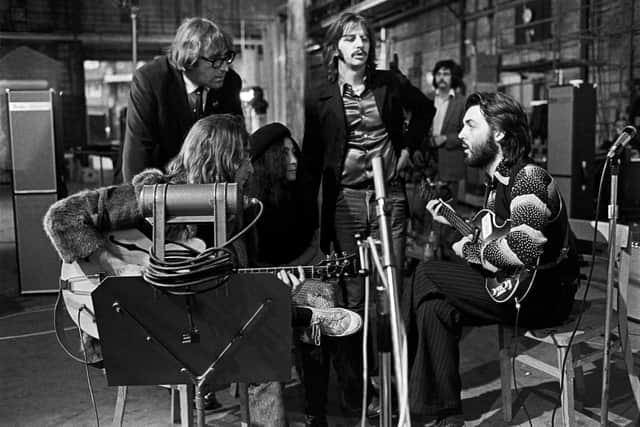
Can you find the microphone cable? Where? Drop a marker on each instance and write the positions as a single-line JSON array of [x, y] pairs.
[[187, 271], [586, 291], [515, 338], [86, 370]]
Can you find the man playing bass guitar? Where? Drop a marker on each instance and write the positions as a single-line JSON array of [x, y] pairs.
[[445, 296]]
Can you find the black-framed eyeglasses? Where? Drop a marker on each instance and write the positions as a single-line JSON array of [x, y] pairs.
[[217, 61]]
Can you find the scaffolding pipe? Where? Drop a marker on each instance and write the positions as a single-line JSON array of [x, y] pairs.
[[134, 37]]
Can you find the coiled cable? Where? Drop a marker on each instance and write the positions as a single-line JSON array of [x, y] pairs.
[[186, 271]]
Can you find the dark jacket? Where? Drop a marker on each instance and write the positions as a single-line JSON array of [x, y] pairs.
[[159, 117], [451, 164], [325, 136]]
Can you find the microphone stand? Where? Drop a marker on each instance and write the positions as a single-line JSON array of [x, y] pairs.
[[382, 296], [383, 322], [391, 334], [613, 219]]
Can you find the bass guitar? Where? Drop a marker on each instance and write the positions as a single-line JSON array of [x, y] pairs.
[[504, 285]]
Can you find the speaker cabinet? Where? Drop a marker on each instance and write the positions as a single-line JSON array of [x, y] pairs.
[[35, 185], [571, 145], [38, 263]]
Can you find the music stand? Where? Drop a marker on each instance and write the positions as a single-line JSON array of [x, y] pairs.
[[244, 327]]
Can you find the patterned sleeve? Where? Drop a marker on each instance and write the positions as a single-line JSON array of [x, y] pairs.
[[533, 202]]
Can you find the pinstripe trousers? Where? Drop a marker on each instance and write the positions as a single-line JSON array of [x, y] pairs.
[[443, 297]]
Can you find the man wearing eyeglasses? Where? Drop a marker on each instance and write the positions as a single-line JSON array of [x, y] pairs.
[[169, 94]]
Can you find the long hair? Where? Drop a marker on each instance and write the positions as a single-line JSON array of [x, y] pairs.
[[269, 179], [280, 220], [213, 151], [503, 113], [331, 54], [456, 72], [194, 38]]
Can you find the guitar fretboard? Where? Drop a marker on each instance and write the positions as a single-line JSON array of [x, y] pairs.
[[456, 221], [310, 271]]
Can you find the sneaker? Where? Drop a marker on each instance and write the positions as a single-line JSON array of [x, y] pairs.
[[335, 322]]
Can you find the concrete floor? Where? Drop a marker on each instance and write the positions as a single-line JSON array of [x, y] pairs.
[[41, 386]]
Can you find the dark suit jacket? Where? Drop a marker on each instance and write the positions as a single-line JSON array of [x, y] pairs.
[[159, 117], [451, 164], [325, 136]]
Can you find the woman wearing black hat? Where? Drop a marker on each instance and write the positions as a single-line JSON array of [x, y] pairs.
[[283, 237]]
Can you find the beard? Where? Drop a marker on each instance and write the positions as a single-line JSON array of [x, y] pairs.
[[483, 154]]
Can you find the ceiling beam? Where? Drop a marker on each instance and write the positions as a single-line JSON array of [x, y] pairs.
[[90, 38]]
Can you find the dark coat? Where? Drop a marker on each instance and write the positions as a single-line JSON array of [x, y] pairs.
[[159, 117], [325, 137], [451, 155]]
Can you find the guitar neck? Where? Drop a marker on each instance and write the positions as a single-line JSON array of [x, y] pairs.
[[456, 221], [310, 271]]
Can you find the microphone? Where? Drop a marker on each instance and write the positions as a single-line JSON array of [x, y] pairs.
[[628, 133], [195, 199]]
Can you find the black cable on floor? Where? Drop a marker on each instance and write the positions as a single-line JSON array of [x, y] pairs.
[[586, 291], [513, 360], [86, 369]]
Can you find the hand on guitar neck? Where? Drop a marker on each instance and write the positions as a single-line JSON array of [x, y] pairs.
[[113, 264], [435, 207], [291, 279]]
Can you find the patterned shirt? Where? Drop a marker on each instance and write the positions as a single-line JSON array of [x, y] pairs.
[[535, 202]]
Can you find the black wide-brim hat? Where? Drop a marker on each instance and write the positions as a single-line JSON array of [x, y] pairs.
[[266, 136]]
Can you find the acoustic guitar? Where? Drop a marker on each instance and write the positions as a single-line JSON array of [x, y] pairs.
[[80, 278]]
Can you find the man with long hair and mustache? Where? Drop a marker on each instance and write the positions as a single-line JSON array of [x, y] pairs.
[[215, 150], [356, 114], [446, 295]]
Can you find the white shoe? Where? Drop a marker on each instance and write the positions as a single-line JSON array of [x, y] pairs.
[[335, 322]]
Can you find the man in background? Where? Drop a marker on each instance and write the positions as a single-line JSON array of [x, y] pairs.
[[444, 141], [447, 123]]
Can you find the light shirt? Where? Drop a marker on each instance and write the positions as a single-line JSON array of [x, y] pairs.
[[191, 89], [441, 104]]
